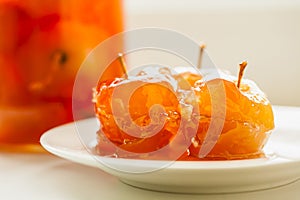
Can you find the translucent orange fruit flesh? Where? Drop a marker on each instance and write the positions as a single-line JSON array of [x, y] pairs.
[[137, 116], [143, 115], [247, 119], [186, 80]]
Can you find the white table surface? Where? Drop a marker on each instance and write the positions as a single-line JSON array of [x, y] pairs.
[[44, 176]]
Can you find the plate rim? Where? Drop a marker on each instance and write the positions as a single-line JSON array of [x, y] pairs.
[[269, 174], [175, 164]]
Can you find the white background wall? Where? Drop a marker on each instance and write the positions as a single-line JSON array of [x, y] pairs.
[[265, 33]]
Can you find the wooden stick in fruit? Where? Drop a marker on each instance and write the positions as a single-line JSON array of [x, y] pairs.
[[241, 73], [202, 47], [123, 64]]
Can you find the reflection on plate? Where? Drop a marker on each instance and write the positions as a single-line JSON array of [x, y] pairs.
[[281, 167]]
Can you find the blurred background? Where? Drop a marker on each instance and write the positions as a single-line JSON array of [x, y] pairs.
[[265, 33], [43, 44]]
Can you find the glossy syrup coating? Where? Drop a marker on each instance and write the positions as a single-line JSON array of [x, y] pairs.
[[245, 117], [139, 115]]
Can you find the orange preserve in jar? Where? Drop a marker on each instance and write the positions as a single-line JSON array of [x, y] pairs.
[[42, 45]]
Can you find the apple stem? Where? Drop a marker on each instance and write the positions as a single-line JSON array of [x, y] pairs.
[[123, 64], [202, 47], [241, 72]]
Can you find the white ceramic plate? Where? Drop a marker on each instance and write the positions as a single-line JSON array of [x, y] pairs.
[[281, 168]]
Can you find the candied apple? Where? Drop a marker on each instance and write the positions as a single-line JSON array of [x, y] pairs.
[[217, 119], [140, 114], [248, 120], [62, 58]]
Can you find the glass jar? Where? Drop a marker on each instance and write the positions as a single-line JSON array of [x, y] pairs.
[[42, 45]]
